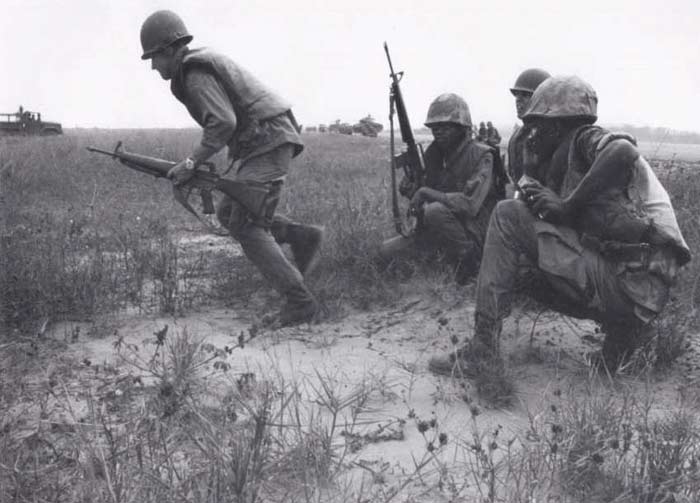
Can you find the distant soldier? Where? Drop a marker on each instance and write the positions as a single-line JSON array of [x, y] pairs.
[[597, 237], [524, 86], [461, 189], [482, 134], [493, 138], [236, 110]]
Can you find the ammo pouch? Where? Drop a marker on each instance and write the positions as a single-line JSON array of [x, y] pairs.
[[268, 212]]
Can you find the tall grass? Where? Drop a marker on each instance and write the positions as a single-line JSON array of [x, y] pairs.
[[82, 235]]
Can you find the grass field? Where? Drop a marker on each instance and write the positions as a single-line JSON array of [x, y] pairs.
[[84, 238]]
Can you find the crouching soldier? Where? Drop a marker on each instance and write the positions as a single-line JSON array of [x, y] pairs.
[[598, 235], [461, 189], [236, 110]]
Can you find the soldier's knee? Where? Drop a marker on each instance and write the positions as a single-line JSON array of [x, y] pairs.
[[393, 247], [511, 209], [435, 214]]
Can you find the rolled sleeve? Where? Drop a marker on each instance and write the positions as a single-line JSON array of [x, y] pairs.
[[212, 109], [476, 188]]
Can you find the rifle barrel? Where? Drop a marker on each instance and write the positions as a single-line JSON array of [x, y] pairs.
[[99, 150]]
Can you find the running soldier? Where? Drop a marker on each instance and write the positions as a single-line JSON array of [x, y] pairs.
[[461, 189], [236, 110], [597, 237]]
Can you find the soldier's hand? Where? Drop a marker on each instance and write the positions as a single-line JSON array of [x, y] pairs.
[[418, 199], [406, 187], [182, 172], [544, 203]]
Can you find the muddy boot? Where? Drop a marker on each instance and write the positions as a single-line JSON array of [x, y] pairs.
[[475, 357], [621, 340]]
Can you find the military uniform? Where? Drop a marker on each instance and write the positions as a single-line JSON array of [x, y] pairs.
[[493, 137], [613, 261], [237, 111], [518, 157], [460, 189], [601, 287], [457, 228], [516, 147]]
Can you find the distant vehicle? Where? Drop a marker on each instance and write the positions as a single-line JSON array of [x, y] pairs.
[[24, 122], [368, 127], [340, 127], [322, 128], [310, 129]]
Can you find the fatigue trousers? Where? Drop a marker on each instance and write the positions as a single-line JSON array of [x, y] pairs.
[[523, 253], [261, 242], [442, 230]]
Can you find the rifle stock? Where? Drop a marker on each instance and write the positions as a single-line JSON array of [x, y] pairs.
[[252, 195]]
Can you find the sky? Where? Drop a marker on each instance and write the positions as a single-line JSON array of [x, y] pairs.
[[78, 61]]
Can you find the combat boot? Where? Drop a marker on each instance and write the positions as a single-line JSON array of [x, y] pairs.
[[296, 313], [477, 356], [621, 341], [305, 242], [467, 268]]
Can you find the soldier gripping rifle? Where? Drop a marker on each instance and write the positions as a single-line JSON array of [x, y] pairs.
[[411, 161], [254, 196], [453, 186]]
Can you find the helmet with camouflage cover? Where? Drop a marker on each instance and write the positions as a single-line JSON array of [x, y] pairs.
[[449, 107], [160, 30], [528, 80], [562, 97]]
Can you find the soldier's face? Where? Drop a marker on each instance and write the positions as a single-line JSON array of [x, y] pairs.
[[522, 101], [543, 136], [164, 63], [446, 134]]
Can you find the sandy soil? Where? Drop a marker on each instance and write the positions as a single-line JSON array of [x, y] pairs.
[[385, 352]]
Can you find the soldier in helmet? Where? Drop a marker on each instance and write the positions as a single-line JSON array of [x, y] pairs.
[[461, 189], [598, 234], [237, 111], [482, 134], [493, 137], [522, 90]]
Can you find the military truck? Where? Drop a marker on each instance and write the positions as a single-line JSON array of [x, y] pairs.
[[340, 127], [24, 122], [368, 127]]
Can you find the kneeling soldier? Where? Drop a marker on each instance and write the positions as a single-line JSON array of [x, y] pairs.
[[461, 189], [597, 235]]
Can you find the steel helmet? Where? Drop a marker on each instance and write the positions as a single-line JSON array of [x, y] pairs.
[[449, 107], [160, 30], [528, 80], [563, 96]]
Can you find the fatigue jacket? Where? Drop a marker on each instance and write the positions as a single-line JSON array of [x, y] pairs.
[[515, 153], [647, 285], [466, 177], [232, 106]]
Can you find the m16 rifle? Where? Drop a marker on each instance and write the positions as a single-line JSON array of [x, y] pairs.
[[252, 195], [411, 161]]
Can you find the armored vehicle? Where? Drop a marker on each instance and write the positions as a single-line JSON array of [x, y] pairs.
[[368, 127], [24, 122]]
